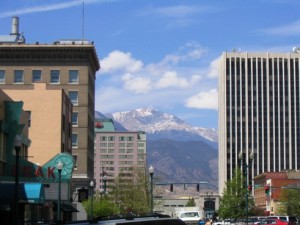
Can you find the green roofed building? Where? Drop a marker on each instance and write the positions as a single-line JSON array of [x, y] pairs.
[[116, 152]]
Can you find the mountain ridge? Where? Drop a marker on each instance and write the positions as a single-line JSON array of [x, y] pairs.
[[178, 151]]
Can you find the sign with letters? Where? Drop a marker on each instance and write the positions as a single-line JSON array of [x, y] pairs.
[[48, 173]]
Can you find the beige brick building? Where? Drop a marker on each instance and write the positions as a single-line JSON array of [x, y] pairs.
[[56, 82], [50, 114], [64, 65]]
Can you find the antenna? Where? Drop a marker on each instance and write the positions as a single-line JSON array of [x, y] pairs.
[[82, 22]]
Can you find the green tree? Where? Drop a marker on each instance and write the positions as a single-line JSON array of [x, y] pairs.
[[132, 191], [233, 202], [101, 207], [129, 192], [191, 202], [290, 204]]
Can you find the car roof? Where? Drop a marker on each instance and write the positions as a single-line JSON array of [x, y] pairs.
[[155, 219]]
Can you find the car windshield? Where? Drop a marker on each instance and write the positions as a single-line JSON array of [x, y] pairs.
[[190, 214]]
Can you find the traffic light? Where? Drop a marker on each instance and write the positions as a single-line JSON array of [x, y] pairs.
[[198, 187], [267, 189], [171, 187], [250, 187], [83, 194]]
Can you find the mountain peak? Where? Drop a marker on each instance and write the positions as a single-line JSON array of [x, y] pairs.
[[158, 124], [145, 111]]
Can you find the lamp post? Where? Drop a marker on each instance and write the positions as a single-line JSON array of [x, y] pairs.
[[209, 206], [151, 172], [59, 167], [104, 184], [246, 166], [17, 145], [92, 199]]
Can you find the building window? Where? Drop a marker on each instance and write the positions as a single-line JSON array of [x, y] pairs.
[[121, 138], [73, 95], [2, 147], [29, 118], [130, 138], [74, 140], [18, 76], [111, 138], [102, 138], [75, 118], [129, 144], [2, 76], [36, 76], [75, 162], [54, 76], [73, 76]]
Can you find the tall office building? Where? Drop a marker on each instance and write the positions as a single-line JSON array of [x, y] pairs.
[[259, 112], [117, 152], [67, 65]]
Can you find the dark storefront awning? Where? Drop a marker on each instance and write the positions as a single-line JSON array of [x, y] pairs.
[[65, 207], [27, 193], [68, 208]]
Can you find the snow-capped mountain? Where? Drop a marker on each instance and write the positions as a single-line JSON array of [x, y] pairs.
[[159, 124], [178, 151]]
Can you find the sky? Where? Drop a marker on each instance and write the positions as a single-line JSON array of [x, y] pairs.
[[160, 54]]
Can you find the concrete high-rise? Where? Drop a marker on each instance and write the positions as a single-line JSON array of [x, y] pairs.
[[117, 152], [259, 112]]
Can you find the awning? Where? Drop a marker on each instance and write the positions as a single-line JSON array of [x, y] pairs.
[[68, 208], [27, 193], [65, 207]]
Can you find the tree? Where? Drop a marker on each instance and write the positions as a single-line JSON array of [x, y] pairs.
[[102, 206], [132, 191], [233, 202], [290, 204], [129, 192], [191, 202]]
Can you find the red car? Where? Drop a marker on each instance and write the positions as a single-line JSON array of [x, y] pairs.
[[272, 221]]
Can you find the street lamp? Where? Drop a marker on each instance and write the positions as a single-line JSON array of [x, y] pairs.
[[92, 199], [17, 145], [209, 207], [104, 184], [59, 167], [246, 167], [151, 172]]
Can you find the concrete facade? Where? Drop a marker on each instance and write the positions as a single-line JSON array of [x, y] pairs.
[[258, 113], [117, 152]]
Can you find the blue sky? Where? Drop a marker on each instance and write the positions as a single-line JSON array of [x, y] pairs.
[[161, 54]]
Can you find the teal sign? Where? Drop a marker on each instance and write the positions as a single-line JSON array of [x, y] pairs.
[[29, 171], [48, 173]]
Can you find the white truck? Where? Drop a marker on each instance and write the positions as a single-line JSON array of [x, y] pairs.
[[190, 215]]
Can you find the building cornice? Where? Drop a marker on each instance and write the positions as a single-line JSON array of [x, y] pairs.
[[54, 52]]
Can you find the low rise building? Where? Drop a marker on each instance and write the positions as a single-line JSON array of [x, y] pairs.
[[268, 188]]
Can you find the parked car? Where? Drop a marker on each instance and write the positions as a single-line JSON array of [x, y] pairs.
[[256, 219], [130, 219], [272, 221], [291, 219]]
